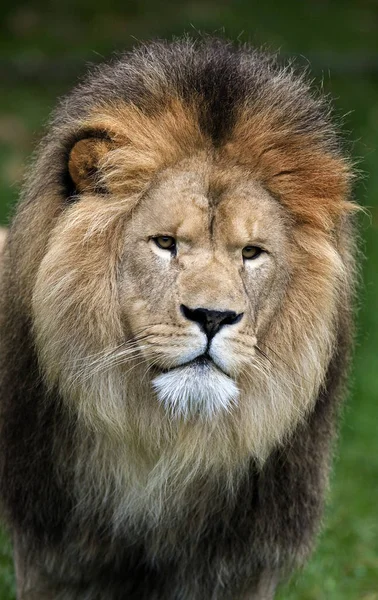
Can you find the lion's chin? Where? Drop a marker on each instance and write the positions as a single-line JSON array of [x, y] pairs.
[[197, 389]]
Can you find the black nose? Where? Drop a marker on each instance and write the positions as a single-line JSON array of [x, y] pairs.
[[211, 321]]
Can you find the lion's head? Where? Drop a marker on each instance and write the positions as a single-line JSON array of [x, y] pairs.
[[186, 267]]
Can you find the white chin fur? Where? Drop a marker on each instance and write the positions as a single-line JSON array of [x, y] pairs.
[[195, 390]]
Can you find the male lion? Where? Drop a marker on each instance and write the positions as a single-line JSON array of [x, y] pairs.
[[175, 327]]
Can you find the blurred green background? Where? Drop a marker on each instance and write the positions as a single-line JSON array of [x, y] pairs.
[[46, 46]]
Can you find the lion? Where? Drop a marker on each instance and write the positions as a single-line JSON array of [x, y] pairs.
[[3, 235], [176, 322]]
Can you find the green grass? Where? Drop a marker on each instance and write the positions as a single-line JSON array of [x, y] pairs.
[[345, 564]]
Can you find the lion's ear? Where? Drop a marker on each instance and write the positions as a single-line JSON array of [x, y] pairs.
[[84, 160]]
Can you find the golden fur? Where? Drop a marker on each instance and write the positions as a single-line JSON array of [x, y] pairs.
[[87, 323], [156, 445], [3, 235]]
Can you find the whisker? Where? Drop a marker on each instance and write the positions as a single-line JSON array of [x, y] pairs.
[[137, 364], [150, 327], [108, 351], [289, 382], [271, 380], [282, 360], [106, 363], [149, 367], [259, 368], [263, 354], [116, 359]]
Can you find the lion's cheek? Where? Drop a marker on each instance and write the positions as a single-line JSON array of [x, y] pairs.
[[231, 353], [76, 315]]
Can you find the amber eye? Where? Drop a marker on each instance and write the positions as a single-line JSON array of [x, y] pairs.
[[166, 242], [250, 252]]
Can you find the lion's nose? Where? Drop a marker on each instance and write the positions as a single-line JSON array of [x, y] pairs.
[[211, 321]]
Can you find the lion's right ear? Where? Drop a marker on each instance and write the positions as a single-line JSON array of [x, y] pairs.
[[84, 160]]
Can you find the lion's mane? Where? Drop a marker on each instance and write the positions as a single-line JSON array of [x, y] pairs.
[[110, 503]]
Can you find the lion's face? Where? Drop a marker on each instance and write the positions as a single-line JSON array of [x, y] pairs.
[[190, 292], [199, 303], [200, 278]]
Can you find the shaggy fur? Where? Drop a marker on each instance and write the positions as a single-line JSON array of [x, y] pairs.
[[3, 235], [129, 469]]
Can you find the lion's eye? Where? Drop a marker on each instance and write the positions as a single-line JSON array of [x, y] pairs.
[[166, 242], [250, 252]]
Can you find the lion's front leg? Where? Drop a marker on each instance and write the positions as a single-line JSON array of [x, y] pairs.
[[30, 582]]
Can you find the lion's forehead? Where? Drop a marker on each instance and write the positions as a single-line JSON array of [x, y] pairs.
[[199, 202]]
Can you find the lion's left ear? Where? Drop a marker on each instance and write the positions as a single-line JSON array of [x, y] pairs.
[[84, 160]]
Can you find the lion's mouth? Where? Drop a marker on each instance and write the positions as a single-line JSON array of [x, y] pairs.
[[198, 387], [201, 362]]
